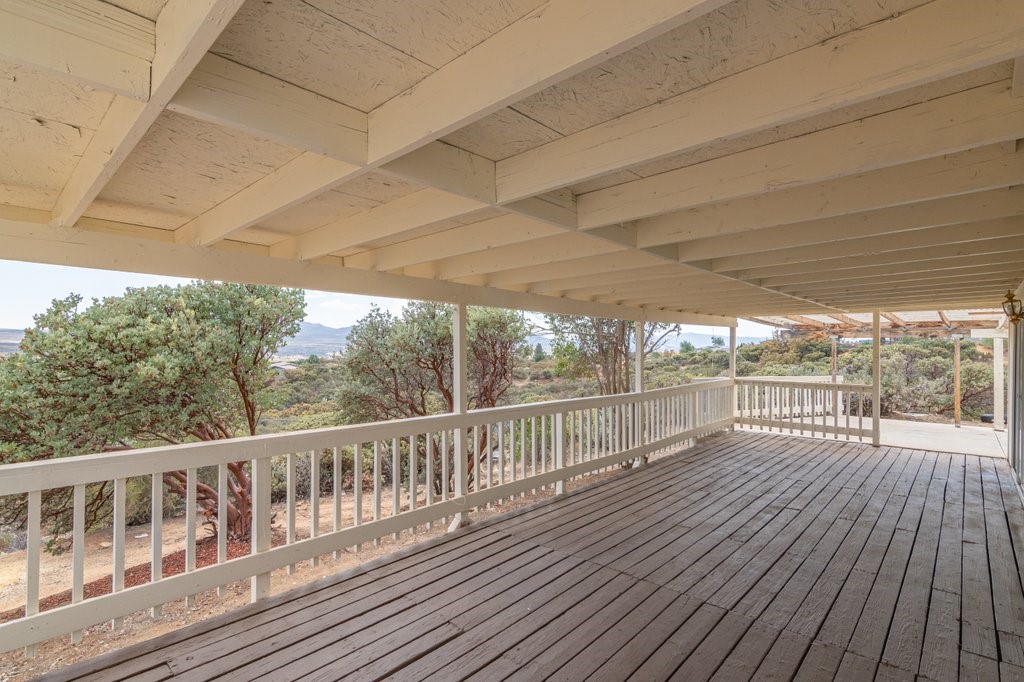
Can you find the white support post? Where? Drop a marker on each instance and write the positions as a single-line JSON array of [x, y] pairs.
[[998, 389], [638, 387], [460, 387], [1012, 403], [876, 378], [732, 373]]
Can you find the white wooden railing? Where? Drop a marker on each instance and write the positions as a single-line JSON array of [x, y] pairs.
[[515, 449], [806, 405]]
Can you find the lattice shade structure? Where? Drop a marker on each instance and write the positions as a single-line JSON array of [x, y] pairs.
[[930, 324]]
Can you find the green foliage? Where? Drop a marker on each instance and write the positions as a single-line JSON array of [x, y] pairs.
[[601, 348], [686, 347], [157, 365], [538, 353], [396, 367]]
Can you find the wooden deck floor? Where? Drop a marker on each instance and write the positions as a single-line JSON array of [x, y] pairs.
[[750, 557]]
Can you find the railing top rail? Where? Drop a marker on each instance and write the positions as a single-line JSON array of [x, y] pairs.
[[783, 381], [23, 477]]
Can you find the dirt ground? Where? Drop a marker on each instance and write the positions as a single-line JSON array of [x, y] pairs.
[[100, 639]]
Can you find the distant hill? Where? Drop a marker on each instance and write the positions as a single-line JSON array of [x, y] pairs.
[[9, 340], [315, 339]]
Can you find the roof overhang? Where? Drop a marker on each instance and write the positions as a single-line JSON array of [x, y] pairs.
[[652, 159]]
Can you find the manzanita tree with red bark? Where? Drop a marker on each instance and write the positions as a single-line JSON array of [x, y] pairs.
[[157, 365]]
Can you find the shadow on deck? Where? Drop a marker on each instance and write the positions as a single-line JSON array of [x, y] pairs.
[[752, 556]]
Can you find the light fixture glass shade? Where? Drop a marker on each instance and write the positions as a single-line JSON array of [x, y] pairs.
[[1013, 307]]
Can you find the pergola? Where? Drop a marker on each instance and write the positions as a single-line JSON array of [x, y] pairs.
[[925, 324], [689, 161]]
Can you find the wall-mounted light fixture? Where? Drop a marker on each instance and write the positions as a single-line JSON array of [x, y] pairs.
[[1013, 307]]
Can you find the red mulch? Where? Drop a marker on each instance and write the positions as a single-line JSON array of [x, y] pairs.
[[206, 554]]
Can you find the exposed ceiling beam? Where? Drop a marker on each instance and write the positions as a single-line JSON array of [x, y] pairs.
[[977, 170], [926, 303], [229, 94], [687, 282], [894, 319], [967, 208], [844, 319], [41, 243], [89, 41], [1018, 77], [552, 43], [949, 37], [578, 267], [543, 251], [922, 269], [911, 239], [971, 118], [184, 32], [808, 321], [903, 260], [877, 296], [700, 300], [561, 284], [333, 137], [395, 217], [288, 186], [479, 236], [821, 291]]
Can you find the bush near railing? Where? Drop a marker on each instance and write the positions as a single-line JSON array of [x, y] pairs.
[[507, 451]]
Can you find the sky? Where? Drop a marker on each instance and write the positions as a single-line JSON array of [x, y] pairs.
[[30, 287]]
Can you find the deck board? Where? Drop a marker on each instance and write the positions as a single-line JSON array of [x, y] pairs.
[[750, 556]]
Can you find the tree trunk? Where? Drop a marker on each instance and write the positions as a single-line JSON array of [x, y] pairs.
[[239, 505]]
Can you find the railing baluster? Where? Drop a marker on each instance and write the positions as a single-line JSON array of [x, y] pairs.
[[444, 464], [33, 539], [222, 520], [522, 450], [413, 476], [396, 481], [261, 516], [545, 445], [191, 478], [156, 530], [860, 418], [290, 485], [337, 491], [501, 456], [429, 492], [559, 462], [845, 397], [117, 543], [489, 456], [357, 487], [533, 448], [474, 447], [77, 551], [512, 450], [314, 500], [377, 473]]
